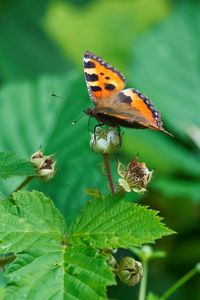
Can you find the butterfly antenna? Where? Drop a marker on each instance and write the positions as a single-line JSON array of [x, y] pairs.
[[74, 122], [89, 119], [54, 95]]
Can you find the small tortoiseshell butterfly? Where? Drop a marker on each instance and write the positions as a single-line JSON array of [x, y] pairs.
[[114, 106]]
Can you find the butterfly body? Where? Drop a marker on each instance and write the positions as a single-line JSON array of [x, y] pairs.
[[113, 105], [105, 116]]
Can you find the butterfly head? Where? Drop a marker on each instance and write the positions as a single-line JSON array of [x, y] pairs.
[[90, 112]]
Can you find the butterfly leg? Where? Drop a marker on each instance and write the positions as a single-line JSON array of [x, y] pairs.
[[120, 136], [94, 131]]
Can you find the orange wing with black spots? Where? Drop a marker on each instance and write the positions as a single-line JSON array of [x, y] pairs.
[[113, 105], [130, 108], [103, 81], [138, 105]]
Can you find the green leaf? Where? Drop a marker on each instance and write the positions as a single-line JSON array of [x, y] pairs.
[[66, 273], [87, 274], [29, 219], [113, 223], [45, 268], [12, 165]]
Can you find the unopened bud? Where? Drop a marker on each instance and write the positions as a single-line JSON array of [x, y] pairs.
[[45, 165], [130, 271], [105, 140], [134, 177], [37, 159]]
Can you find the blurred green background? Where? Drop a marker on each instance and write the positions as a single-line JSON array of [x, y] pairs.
[[156, 44]]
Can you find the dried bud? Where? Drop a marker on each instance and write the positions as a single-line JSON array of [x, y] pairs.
[[45, 165], [105, 140], [130, 271], [135, 177], [111, 261]]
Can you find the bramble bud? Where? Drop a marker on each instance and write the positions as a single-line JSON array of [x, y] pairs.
[[105, 140], [135, 177], [130, 271], [111, 261], [45, 165]]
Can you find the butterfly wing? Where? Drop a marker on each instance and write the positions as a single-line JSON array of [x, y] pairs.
[[103, 81], [132, 109]]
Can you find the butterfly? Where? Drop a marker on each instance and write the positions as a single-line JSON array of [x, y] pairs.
[[113, 105]]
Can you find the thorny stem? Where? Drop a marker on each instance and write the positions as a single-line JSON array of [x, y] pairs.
[[143, 284], [178, 284], [108, 172]]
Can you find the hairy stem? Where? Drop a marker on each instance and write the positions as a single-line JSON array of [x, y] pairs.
[[178, 284], [143, 284], [24, 183], [108, 173]]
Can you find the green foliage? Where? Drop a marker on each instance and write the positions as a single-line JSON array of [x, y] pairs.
[[87, 274], [34, 229], [34, 118], [29, 52], [72, 266], [164, 64], [113, 223], [27, 221], [175, 80], [12, 165], [166, 69]]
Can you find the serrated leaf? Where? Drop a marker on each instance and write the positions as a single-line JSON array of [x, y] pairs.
[[12, 165], [28, 219], [113, 223], [68, 273], [87, 274], [45, 268]]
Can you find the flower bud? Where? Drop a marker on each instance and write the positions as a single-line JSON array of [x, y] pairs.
[[135, 177], [130, 271], [105, 140], [45, 165], [37, 159]]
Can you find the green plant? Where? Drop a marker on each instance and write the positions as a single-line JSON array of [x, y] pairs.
[[49, 259]]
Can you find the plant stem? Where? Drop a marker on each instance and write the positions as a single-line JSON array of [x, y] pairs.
[[178, 284], [143, 284], [25, 182], [108, 173]]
